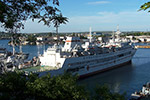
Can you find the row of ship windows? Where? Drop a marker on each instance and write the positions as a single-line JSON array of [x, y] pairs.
[[99, 60], [87, 68], [90, 57], [114, 61], [75, 69]]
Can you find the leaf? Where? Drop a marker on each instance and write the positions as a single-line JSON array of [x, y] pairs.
[[145, 6], [14, 12]]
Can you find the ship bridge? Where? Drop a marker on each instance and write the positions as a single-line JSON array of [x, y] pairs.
[[71, 43]]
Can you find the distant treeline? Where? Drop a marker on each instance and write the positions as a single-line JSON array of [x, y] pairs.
[[49, 34], [138, 33]]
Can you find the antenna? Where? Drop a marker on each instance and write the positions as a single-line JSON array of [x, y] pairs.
[[113, 36], [90, 34], [13, 44], [118, 27], [118, 31]]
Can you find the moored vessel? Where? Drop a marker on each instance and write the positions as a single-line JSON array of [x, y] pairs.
[[89, 58], [145, 92]]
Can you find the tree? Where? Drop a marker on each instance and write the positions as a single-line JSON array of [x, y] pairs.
[[57, 20], [14, 12], [12, 85], [145, 6], [133, 38], [62, 87], [17, 86], [32, 39], [145, 40]]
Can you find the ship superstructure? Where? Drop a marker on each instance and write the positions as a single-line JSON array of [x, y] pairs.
[[10, 61], [89, 58]]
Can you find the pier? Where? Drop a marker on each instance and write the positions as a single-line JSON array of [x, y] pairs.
[[140, 46]]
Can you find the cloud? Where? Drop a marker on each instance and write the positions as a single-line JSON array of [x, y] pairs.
[[98, 2], [102, 21], [128, 21], [111, 17]]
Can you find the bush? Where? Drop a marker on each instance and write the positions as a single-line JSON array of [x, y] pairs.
[[63, 87], [17, 86]]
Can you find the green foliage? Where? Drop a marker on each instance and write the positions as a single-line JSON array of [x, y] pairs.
[[32, 39], [145, 6], [14, 12], [133, 38], [105, 35], [15, 39], [63, 87], [17, 86], [59, 19], [82, 37], [137, 33], [12, 85]]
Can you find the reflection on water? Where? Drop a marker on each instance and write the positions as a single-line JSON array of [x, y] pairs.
[[128, 78], [117, 79]]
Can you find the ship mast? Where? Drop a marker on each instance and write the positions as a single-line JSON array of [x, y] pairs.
[[117, 27], [13, 45], [90, 34], [113, 37], [20, 45], [118, 32]]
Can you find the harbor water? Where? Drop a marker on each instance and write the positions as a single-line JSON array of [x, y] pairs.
[[128, 78]]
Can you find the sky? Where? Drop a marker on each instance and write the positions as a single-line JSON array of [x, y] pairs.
[[101, 15]]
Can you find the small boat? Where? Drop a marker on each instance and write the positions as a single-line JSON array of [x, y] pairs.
[[145, 92]]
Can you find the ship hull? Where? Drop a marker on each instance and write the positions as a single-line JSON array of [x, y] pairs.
[[95, 65], [90, 65], [104, 70]]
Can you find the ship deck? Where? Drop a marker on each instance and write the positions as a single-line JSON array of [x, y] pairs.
[[37, 69]]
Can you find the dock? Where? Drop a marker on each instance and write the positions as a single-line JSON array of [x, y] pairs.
[[145, 46]]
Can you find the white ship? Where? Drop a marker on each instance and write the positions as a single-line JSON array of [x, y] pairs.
[[9, 61], [87, 59]]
